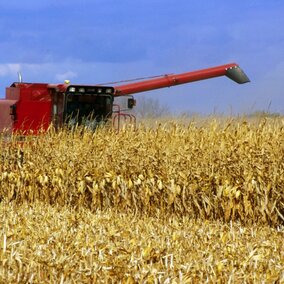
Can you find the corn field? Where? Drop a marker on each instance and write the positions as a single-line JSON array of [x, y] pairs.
[[174, 203]]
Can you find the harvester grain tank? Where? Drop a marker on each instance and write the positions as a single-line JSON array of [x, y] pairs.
[[31, 107]]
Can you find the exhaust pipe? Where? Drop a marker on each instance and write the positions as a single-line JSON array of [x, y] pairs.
[[20, 79]]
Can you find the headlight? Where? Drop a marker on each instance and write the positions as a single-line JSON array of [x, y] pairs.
[[100, 91], [108, 91], [81, 90], [72, 89]]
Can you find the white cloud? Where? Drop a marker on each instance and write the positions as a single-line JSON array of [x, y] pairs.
[[9, 69], [39, 72], [66, 76]]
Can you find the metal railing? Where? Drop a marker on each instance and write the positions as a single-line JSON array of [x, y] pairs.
[[120, 118]]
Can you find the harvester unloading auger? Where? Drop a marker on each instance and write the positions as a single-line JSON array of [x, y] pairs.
[[30, 107]]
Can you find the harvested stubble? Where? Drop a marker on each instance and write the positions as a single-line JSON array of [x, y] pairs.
[[229, 171], [51, 244]]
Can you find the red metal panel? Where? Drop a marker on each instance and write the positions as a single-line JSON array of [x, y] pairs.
[[33, 108], [33, 116], [12, 93]]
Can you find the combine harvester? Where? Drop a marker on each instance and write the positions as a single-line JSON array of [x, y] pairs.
[[32, 107]]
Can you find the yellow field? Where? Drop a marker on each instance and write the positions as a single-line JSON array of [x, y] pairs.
[[201, 202]]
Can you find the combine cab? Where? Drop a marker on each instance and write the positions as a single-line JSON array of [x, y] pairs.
[[32, 107], [82, 105]]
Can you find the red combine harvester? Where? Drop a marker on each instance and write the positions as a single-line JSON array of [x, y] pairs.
[[30, 107]]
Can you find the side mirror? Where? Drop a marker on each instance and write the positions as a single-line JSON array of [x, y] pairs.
[[131, 103]]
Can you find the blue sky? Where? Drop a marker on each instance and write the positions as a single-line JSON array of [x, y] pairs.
[[96, 41]]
